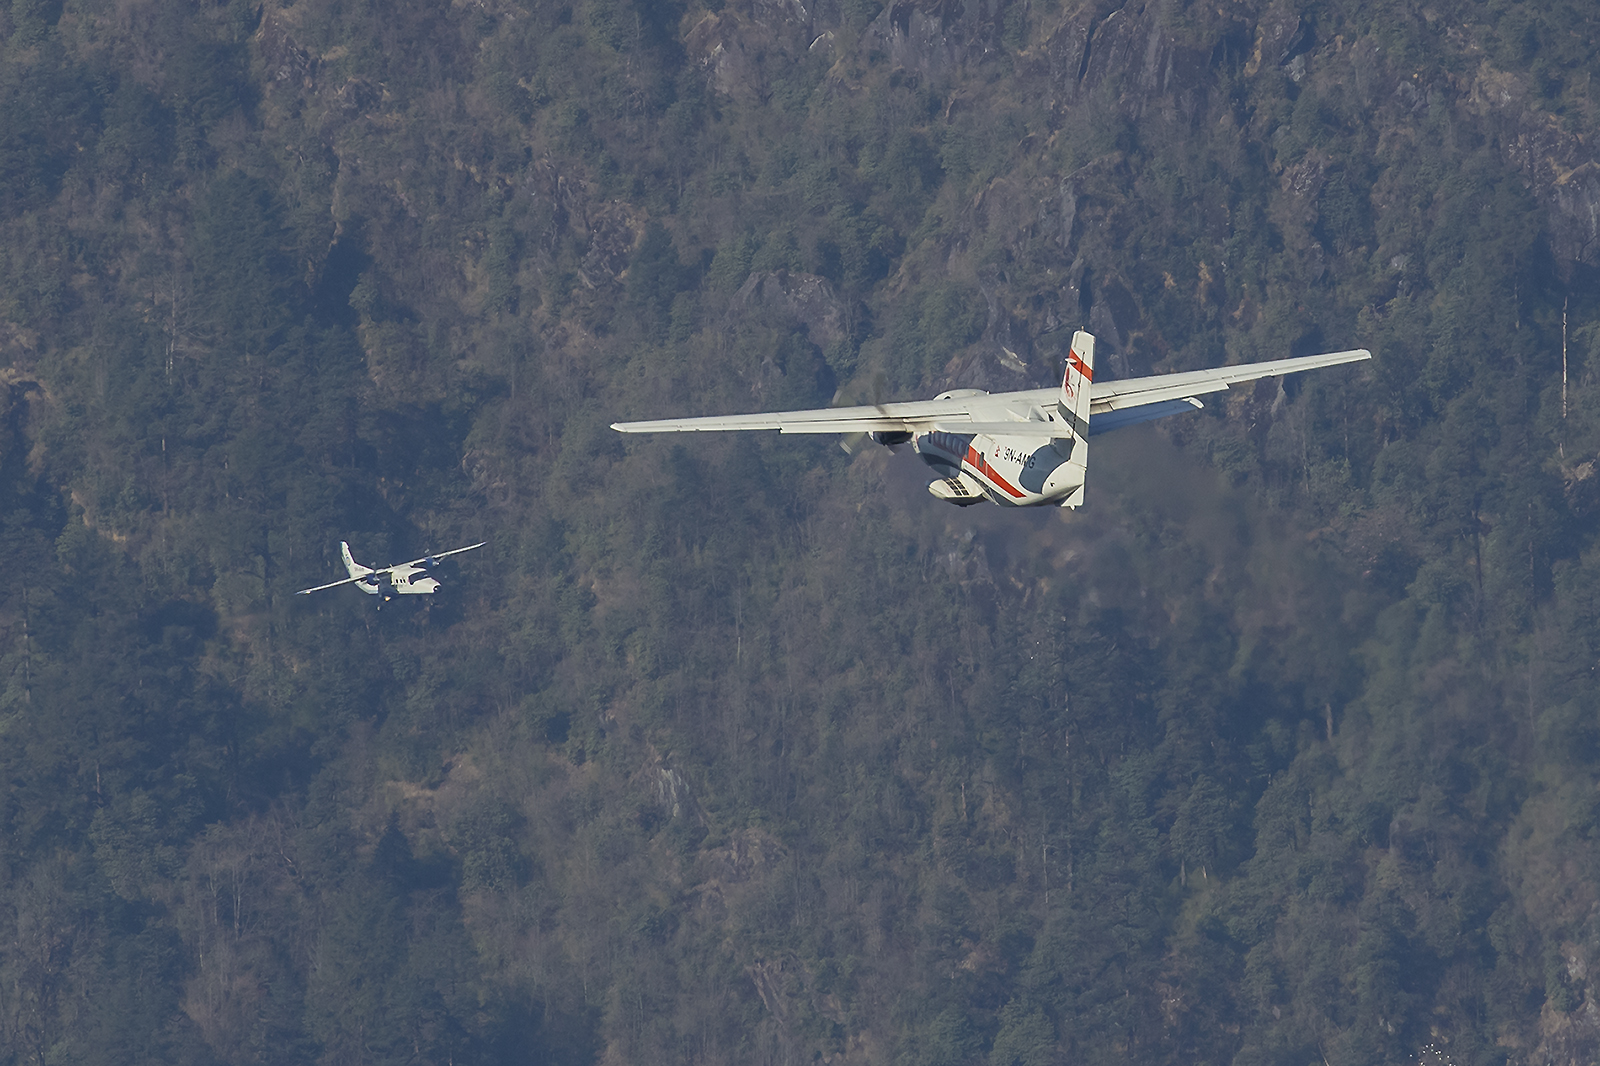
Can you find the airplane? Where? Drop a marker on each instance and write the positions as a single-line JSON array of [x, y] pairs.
[[1019, 449], [401, 579]]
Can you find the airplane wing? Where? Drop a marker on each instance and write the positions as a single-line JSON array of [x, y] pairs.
[[1114, 404], [336, 584], [877, 418], [436, 555]]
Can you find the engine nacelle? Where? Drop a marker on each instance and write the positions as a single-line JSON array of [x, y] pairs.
[[890, 437]]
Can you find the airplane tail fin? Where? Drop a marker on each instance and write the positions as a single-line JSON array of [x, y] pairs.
[[350, 564], [1076, 384]]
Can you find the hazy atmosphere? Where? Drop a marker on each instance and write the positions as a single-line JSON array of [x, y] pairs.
[[737, 748]]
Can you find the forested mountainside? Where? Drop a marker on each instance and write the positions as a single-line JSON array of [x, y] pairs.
[[1284, 749]]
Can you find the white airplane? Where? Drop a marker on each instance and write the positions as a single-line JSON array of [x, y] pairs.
[[1020, 449], [402, 579]]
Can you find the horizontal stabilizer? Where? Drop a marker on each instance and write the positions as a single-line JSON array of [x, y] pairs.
[[1132, 416], [1033, 430], [1194, 382], [1123, 401]]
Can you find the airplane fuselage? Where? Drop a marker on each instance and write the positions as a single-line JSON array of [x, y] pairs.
[[1011, 471], [406, 581]]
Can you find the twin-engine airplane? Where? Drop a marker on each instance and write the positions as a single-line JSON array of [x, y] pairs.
[[402, 579], [1020, 449]]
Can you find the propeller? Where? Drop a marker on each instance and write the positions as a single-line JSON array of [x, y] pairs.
[[852, 442], [383, 582]]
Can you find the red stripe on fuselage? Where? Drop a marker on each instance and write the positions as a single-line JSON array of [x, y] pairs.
[[976, 461]]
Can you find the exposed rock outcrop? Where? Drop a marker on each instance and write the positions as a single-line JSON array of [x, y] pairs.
[[285, 60], [937, 36], [807, 298], [1561, 168], [1132, 56], [734, 46]]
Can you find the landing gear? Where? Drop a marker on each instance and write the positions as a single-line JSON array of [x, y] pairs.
[[958, 490]]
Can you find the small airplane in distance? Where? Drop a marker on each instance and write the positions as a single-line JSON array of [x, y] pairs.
[[402, 579], [1020, 449]]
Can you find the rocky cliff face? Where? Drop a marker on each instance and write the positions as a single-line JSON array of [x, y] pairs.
[[1140, 57], [1227, 80], [807, 300], [938, 37], [1556, 159], [1134, 56]]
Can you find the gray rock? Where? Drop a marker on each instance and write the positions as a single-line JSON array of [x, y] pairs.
[[807, 298], [937, 36]]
